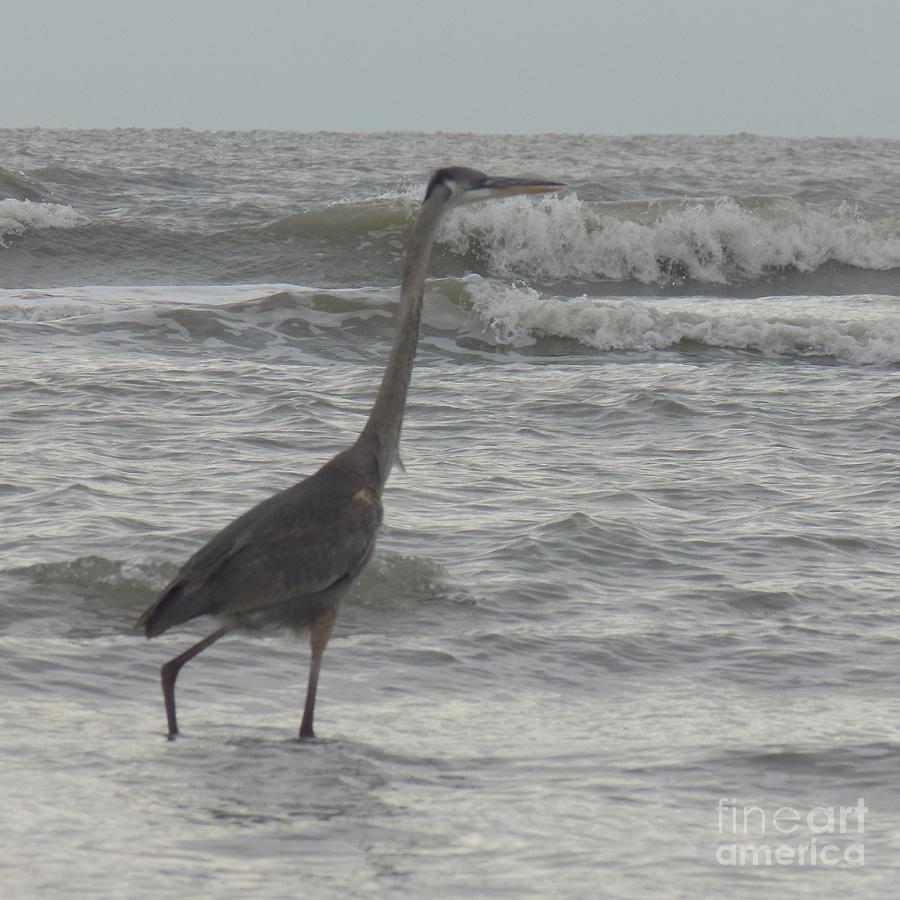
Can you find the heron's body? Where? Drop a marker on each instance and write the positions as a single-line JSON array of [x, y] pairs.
[[289, 560], [272, 566]]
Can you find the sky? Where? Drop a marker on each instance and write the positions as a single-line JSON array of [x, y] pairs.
[[775, 67]]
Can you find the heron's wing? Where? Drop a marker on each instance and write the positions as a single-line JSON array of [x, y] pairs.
[[291, 557], [295, 544]]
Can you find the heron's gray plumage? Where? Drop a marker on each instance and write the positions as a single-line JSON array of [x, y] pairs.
[[289, 560], [253, 573]]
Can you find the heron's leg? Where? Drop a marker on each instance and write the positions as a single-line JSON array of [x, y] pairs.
[[319, 633], [170, 672]]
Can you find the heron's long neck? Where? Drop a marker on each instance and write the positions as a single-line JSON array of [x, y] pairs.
[[382, 429]]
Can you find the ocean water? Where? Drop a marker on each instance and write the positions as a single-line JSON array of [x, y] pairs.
[[631, 629]]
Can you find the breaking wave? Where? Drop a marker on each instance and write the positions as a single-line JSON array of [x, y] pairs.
[[858, 330], [470, 314], [19, 216], [710, 241]]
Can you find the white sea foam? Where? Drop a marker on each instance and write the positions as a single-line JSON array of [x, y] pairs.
[[715, 242], [19, 216], [858, 330]]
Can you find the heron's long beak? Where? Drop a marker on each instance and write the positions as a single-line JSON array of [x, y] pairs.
[[509, 187]]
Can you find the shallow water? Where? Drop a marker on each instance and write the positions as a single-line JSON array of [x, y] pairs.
[[642, 560]]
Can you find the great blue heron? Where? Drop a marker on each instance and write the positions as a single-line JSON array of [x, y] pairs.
[[290, 559]]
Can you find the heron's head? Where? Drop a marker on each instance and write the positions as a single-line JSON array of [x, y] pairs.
[[460, 185]]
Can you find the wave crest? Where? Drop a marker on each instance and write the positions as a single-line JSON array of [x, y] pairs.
[[19, 216], [718, 242], [839, 328], [347, 219]]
